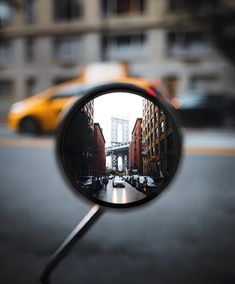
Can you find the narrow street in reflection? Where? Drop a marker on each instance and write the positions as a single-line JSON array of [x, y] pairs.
[[120, 195]]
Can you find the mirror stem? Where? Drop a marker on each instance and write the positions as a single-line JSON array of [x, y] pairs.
[[63, 250]]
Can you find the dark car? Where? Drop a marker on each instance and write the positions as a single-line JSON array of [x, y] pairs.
[[199, 108], [133, 180], [89, 184], [145, 184]]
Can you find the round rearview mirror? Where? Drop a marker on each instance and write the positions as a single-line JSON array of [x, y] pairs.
[[119, 145]]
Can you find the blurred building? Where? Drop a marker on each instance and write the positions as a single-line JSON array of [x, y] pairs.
[[48, 41], [135, 150], [158, 140], [100, 161], [89, 110]]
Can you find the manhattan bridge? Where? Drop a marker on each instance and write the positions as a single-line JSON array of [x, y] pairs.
[[119, 143]]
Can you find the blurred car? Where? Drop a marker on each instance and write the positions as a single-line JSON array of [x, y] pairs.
[[118, 182], [145, 183], [40, 113], [200, 108]]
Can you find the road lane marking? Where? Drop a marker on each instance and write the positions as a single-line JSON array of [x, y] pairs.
[[205, 151], [9, 142]]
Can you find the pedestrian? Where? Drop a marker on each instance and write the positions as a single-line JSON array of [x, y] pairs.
[[105, 181]]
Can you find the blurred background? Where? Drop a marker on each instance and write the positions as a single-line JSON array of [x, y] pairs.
[[188, 47]]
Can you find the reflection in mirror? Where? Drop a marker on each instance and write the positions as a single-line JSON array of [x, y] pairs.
[[120, 148]]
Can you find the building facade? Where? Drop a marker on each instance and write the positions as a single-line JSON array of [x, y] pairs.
[[158, 141], [43, 43], [100, 160], [135, 150]]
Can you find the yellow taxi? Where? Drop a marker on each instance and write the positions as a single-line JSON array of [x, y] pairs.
[[40, 113]]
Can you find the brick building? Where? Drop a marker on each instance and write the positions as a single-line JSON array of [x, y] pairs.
[[158, 140], [100, 161], [135, 150]]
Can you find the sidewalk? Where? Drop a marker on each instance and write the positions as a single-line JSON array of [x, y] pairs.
[[209, 138]]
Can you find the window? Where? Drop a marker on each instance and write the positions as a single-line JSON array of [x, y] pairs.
[[162, 145], [171, 84], [6, 51], [6, 13], [6, 88], [185, 5], [68, 10], [162, 127], [156, 149], [156, 116], [123, 46], [203, 82], [31, 87], [30, 11], [67, 92], [170, 143], [68, 48], [29, 49], [157, 132], [122, 7], [189, 44], [61, 79]]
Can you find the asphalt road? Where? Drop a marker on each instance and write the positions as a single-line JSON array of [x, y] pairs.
[[186, 236], [120, 195]]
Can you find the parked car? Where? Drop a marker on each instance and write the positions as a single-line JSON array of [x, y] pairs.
[[200, 108], [118, 182], [86, 183], [145, 184], [127, 178], [133, 180], [90, 184]]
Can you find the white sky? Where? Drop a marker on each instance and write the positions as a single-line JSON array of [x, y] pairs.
[[120, 105]]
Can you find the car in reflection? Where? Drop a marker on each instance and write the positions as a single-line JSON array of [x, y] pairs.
[[158, 179], [118, 182], [127, 178], [133, 180], [86, 183], [197, 108], [90, 184], [145, 184]]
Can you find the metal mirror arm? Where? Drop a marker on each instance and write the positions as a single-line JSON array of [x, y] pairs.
[[78, 232]]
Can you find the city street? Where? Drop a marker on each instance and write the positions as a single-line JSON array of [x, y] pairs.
[[119, 195], [185, 236]]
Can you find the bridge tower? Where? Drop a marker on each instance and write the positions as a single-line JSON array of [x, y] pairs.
[[123, 146], [115, 123]]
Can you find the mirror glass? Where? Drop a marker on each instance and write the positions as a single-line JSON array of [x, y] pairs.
[[120, 149]]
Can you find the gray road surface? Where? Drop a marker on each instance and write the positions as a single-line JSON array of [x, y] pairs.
[[120, 195], [186, 236]]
